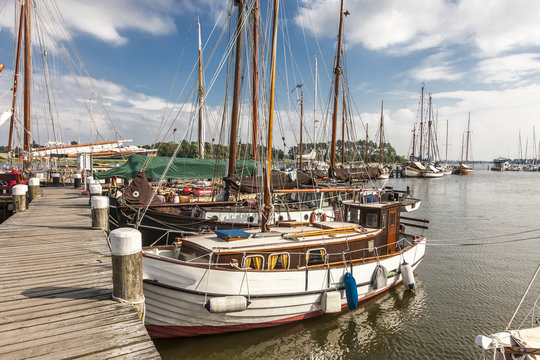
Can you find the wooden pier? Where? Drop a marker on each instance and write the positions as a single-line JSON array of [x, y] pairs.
[[56, 286]]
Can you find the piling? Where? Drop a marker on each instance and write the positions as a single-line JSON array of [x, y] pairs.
[[126, 249], [33, 188], [55, 179], [18, 193], [89, 180], [100, 212], [95, 190], [77, 179]]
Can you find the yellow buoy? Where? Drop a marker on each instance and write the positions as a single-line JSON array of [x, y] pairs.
[[1, 67]]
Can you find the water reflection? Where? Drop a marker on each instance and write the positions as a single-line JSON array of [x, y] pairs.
[[348, 335]]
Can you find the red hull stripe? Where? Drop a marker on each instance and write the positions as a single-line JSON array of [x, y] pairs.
[[171, 331]]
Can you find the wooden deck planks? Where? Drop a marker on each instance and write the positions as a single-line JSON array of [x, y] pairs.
[[56, 283]]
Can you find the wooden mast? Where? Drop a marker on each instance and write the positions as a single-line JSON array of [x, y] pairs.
[[301, 124], [413, 141], [268, 173], [236, 88], [255, 78], [421, 123], [16, 77], [367, 144], [343, 122], [468, 139], [337, 72], [315, 109], [446, 142], [381, 133], [201, 97], [27, 144], [428, 150]]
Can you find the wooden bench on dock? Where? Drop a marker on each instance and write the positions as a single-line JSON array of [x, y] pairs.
[[56, 286]]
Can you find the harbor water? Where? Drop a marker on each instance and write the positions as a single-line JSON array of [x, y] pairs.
[[484, 246]]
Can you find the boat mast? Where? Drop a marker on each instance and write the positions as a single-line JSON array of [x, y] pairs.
[[534, 146], [421, 122], [468, 139], [236, 87], [16, 76], [267, 207], [315, 108], [367, 144], [413, 140], [343, 130], [429, 131], [446, 142], [381, 133], [27, 145], [337, 72], [201, 97], [301, 122], [255, 77]]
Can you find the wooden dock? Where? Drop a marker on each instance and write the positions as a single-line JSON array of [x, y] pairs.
[[56, 286]]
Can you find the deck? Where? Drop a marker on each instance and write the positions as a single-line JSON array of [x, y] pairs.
[[56, 286]]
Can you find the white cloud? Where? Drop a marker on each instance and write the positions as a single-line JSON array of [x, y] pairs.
[[511, 68]]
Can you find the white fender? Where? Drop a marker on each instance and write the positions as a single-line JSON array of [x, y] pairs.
[[407, 274]]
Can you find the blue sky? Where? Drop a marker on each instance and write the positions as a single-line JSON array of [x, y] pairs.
[[474, 56]]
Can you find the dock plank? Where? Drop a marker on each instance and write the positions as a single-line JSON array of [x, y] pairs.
[[56, 287]]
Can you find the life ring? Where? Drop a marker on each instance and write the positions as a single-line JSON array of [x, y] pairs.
[[317, 214]]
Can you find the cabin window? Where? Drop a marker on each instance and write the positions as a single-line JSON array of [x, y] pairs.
[[326, 199], [278, 261], [255, 262], [392, 219], [316, 257], [383, 220], [371, 245], [353, 215], [372, 220], [311, 200]]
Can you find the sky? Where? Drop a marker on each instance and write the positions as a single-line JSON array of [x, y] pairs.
[[127, 69]]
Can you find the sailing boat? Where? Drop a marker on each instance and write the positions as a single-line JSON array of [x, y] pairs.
[[463, 167], [237, 280]]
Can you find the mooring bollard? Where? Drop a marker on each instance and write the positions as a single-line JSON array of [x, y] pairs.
[[126, 249], [55, 179], [18, 193], [95, 190], [33, 186], [77, 179], [89, 181], [100, 212]]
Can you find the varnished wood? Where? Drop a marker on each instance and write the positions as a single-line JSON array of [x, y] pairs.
[[56, 286]]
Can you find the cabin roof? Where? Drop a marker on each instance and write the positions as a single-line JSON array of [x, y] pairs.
[[285, 237]]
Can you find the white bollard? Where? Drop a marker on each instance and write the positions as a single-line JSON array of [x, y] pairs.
[[89, 181], [95, 189], [18, 192], [33, 185], [126, 249], [100, 212]]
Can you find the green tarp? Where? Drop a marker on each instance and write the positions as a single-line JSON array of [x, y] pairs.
[[181, 168]]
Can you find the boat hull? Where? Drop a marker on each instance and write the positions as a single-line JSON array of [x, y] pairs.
[[410, 172], [176, 293]]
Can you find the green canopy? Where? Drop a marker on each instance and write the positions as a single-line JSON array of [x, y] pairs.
[[181, 168]]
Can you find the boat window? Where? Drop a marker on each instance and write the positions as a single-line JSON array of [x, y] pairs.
[[372, 220], [278, 261], [392, 219], [353, 215], [316, 257], [383, 220], [311, 200], [326, 199], [255, 262]]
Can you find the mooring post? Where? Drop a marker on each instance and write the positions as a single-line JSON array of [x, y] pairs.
[[126, 249], [55, 179], [33, 186], [89, 181], [77, 180], [95, 190], [18, 192], [100, 212]]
